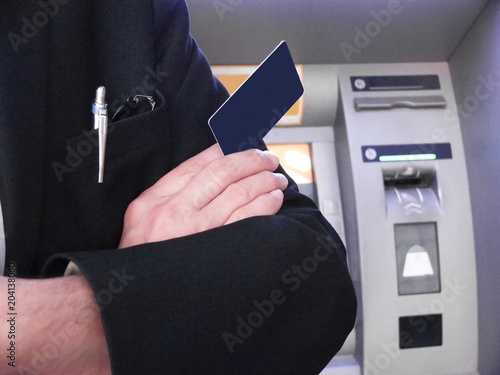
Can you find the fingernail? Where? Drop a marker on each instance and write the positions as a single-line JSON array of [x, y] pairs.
[[282, 178], [271, 154], [277, 194]]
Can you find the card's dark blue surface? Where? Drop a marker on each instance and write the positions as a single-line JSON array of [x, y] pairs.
[[258, 104]]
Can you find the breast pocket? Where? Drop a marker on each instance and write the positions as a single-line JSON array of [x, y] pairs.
[[137, 155], [126, 136]]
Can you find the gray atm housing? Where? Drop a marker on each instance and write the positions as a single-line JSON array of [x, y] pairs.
[[408, 222]]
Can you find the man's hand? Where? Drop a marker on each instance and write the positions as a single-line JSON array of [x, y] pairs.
[[206, 191]]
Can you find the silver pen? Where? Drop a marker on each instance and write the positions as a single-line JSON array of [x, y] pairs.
[[100, 111]]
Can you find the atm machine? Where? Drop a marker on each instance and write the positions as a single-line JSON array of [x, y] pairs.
[[380, 151], [408, 224]]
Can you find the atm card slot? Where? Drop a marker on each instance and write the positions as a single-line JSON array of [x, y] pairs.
[[411, 192]]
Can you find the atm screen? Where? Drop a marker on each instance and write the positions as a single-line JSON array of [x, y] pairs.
[[297, 161]]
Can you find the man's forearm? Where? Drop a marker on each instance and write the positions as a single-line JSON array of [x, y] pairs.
[[56, 328]]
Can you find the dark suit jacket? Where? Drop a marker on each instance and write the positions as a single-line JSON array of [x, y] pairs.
[[267, 295]]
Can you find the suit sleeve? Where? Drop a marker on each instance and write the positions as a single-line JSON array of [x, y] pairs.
[[266, 295]]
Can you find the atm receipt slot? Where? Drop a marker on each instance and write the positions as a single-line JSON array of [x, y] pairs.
[[413, 102]]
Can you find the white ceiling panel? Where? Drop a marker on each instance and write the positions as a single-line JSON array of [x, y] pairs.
[[332, 31]]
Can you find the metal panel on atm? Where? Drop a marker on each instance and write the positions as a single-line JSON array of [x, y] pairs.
[[408, 220]]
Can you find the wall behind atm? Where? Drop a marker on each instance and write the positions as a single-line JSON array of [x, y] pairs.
[[475, 68]]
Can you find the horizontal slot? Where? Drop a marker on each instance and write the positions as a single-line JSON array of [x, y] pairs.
[[412, 102], [407, 182], [408, 177]]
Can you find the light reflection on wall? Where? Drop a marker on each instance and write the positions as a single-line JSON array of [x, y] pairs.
[[296, 159]]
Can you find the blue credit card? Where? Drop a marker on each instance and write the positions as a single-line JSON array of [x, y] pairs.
[[258, 104]]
